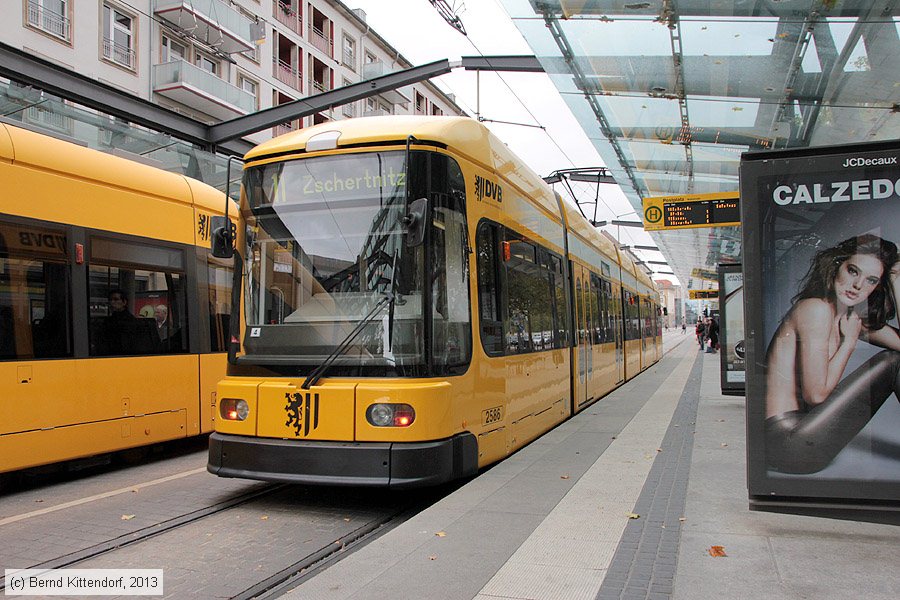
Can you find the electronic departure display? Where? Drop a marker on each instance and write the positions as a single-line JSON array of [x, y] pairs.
[[703, 294], [693, 210], [705, 212]]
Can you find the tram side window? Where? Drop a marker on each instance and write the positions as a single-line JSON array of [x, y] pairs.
[[35, 314], [632, 325], [220, 275], [135, 309], [603, 332], [559, 300], [529, 322], [488, 289], [596, 317]]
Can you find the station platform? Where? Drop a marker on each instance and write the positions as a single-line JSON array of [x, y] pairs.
[[625, 500]]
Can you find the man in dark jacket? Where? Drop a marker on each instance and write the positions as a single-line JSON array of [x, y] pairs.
[[712, 335], [122, 333]]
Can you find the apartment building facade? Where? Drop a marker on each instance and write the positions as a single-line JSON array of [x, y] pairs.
[[215, 60]]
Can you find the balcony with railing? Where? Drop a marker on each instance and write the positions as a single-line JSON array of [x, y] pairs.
[[320, 40], [285, 73], [283, 128], [45, 116], [121, 55], [213, 22], [318, 87], [48, 21], [286, 15], [199, 89]]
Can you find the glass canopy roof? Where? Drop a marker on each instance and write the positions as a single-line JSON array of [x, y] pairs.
[[672, 92]]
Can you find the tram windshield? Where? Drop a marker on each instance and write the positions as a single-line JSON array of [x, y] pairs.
[[326, 245]]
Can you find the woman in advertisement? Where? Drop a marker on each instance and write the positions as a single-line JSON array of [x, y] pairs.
[[812, 411]]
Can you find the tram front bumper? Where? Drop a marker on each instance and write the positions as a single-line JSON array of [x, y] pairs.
[[389, 464]]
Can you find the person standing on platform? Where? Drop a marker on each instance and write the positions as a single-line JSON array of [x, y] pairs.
[[712, 335], [683, 325], [700, 332]]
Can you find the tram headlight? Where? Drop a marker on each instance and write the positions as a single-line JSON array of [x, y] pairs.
[[233, 409], [390, 415]]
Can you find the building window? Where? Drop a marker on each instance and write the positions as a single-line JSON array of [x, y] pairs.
[[436, 111], [348, 54], [50, 16], [172, 50], [251, 87], [207, 64], [118, 37], [349, 109], [421, 103]]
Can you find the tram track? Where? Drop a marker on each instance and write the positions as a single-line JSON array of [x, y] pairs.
[[288, 578], [252, 543], [145, 533]]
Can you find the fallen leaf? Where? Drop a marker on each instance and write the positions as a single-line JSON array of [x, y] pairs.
[[432, 557], [264, 518], [441, 534], [634, 516], [717, 551], [566, 476], [659, 449], [724, 444], [38, 501], [347, 519], [682, 519], [127, 517]]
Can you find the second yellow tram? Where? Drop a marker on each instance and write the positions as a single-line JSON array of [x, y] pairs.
[[77, 227], [417, 304]]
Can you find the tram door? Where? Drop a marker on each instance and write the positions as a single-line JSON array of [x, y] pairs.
[[582, 353]]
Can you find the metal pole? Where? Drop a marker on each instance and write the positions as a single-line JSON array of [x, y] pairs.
[[477, 95]]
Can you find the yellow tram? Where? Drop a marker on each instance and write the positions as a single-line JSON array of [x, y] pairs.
[[417, 304], [81, 230]]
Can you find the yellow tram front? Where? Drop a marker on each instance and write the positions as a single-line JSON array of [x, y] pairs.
[[356, 321]]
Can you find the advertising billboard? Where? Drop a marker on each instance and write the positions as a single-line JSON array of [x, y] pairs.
[[821, 287], [731, 329]]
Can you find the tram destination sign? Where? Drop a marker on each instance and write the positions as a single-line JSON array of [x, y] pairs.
[[720, 209]]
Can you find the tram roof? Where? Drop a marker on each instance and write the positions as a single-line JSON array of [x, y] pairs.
[[463, 135], [580, 226], [21, 146]]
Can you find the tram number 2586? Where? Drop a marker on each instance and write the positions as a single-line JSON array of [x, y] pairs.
[[491, 415]]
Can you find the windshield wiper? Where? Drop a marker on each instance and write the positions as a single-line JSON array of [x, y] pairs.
[[316, 375]]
